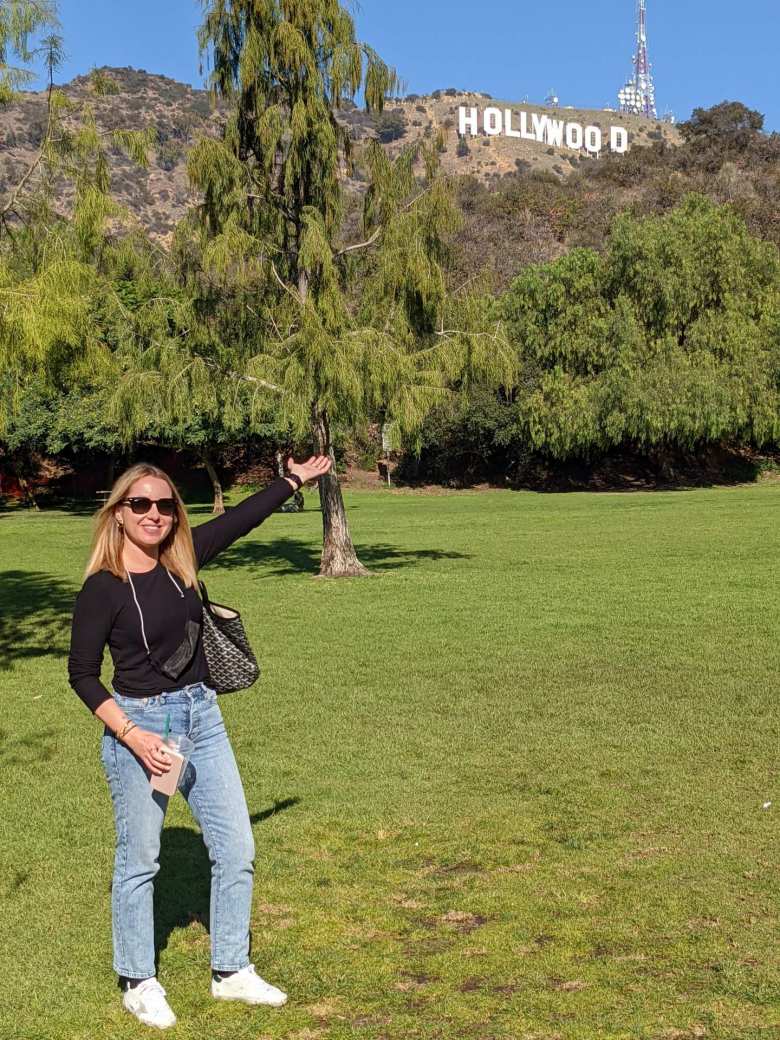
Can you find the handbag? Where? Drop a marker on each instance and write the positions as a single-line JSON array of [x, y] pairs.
[[231, 661]]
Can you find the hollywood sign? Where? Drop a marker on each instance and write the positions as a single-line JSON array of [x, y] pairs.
[[530, 126]]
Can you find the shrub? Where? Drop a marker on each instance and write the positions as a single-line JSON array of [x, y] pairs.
[[462, 442], [169, 154], [390, 125]]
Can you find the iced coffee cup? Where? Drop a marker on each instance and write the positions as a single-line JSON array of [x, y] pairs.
[[178, 748]]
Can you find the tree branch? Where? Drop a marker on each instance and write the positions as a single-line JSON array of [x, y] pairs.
[[370, 241], [244, 378], [36, 161], [360, 245], [284, 284]]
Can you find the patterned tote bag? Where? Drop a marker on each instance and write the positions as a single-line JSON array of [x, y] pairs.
[[231, 660]]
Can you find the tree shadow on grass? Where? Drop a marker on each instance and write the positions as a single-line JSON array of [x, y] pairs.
[[35, 611], [31, 749], [293, 556], [82, 507], [182, 889], [202, 509]]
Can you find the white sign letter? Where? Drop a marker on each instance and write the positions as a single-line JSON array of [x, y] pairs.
[[469, 120], [574, 136], [508, 124], [619, 140], [592, 140], [493, 121], [555, 132], [540, 122], [524, 128]]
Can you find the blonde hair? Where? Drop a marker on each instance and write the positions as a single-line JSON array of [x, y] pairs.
[[177, 552]]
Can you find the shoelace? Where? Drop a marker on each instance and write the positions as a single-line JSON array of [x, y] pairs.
[[152, 989]]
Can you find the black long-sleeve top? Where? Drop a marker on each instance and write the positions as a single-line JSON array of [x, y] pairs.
[[105, 612]]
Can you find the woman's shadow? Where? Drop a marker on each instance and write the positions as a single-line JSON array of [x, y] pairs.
[[183, 885]]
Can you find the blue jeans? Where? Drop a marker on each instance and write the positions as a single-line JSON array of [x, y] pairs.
[[213, 789]]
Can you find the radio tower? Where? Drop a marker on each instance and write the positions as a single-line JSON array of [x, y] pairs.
[[638, 95]]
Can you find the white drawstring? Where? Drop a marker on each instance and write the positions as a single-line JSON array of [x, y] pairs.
[[138, 605], [174, 582]]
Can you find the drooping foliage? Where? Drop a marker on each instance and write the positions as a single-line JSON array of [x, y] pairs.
[[673, 336], [20, 22], [52, 287]]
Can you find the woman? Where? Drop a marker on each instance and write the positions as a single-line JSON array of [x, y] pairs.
[[140, 597]]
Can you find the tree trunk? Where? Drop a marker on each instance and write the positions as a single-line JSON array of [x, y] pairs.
[[27, 491], [339, 559], [219, 501]]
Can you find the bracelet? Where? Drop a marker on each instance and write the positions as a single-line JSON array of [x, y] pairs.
[[129, 724], [295, 477]]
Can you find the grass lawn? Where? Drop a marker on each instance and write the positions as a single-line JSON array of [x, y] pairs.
[[512, 786]]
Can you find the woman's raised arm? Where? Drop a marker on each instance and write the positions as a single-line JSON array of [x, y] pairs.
[[217, 534]]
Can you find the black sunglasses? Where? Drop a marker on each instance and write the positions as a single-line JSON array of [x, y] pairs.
[[141, 505]]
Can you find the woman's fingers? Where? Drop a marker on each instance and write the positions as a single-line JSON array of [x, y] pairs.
[[156, 755], [314, 467], [161, 760], [148, 747], [319, 463], [313, 460]]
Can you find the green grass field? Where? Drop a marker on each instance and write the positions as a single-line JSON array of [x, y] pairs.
[[512, 786]]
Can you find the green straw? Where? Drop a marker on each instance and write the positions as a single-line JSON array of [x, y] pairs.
[[167, 726]]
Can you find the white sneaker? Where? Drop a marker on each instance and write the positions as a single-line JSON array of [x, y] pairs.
[[247, 985], [147, 1002]]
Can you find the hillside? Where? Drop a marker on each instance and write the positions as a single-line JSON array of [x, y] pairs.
[[159, 197]]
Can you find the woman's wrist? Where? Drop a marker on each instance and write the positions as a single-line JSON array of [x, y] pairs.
[[294, 481], [124, 729]]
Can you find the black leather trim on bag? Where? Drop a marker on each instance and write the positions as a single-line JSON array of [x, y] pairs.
[[231, 661]]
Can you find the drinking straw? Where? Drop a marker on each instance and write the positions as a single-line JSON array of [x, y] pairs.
[[167, 726]]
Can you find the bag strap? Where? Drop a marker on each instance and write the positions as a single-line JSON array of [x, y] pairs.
[[203, 594]]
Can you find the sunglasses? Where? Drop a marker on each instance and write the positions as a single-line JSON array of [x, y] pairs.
[[140, 505]]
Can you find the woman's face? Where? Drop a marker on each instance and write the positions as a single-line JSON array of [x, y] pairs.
[[151, 527]]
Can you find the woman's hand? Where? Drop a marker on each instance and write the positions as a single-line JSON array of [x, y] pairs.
[[312, 469], [149, 748]]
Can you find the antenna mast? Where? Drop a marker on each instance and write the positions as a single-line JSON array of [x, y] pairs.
[[638, 95]]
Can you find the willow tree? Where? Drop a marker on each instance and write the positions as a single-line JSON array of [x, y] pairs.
[[51, 284], [669, 340], [331, 347], [20, 22]]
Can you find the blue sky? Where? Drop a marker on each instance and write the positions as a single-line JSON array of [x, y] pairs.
[[703, 51]]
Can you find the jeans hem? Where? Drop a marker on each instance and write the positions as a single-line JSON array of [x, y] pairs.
[[133, 975], [231, 967]]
